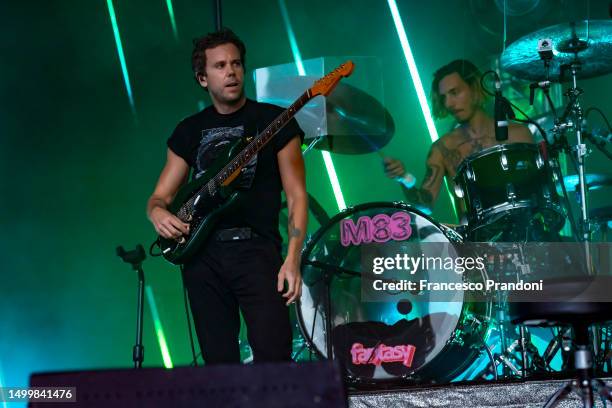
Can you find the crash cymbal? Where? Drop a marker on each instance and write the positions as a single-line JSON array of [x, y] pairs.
[[594, 181], [355, 122], [589, 42]]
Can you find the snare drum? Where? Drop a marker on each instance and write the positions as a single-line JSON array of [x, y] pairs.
[[409, 340], [503, 180]]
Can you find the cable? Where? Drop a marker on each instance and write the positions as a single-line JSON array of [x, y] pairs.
[[194, 362], [594, 109], [490, 354], [590, 138], [155, 243], [482, 85]]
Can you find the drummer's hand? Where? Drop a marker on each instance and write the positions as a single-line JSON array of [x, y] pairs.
[[290, 272], [393, 167]]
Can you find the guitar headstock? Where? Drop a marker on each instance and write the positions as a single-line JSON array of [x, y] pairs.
[[325, 85]]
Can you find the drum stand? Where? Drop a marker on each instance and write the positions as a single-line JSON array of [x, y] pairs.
[[511, 365], [529, 361], [572, 118]]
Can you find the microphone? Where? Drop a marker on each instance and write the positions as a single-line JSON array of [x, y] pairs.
[[500, 118], [535, 85]]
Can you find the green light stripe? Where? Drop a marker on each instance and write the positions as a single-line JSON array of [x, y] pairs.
[[124, 70], [333, 178], [292, 40], [159, 330], [172, 19], [418, 85], [329, 164]]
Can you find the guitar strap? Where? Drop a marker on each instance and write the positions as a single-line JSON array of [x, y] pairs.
[[251, 126], [251, 121]]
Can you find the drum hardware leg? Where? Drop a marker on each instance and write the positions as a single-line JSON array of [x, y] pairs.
[[558, 396], [500, 359], [560, 341], [528, 353], [596, 340], [327, 277], [491, 358], [585, 388], [508, 363], [523, 351]]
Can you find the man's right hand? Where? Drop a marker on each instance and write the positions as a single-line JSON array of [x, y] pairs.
[[393, 167], [168, 225]]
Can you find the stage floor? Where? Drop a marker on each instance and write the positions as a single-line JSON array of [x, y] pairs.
[[529, 394]]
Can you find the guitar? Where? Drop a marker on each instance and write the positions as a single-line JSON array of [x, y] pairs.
[[202, 201]]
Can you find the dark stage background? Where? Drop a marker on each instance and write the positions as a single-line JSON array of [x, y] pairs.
[[78, 160]]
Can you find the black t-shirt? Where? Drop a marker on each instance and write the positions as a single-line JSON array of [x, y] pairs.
[[197, 139]]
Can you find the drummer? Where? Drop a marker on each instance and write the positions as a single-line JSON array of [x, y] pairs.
[[455, 91]]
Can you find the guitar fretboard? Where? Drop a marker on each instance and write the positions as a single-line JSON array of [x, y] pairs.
[[259, 141]]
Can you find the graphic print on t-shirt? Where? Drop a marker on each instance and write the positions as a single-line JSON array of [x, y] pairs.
[[212, 142]]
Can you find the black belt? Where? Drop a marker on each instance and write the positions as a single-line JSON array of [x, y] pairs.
[[234, 234]]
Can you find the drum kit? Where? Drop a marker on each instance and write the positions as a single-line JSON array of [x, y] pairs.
[[512, 192]]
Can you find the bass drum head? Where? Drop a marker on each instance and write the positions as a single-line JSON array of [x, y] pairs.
[[409, 336]]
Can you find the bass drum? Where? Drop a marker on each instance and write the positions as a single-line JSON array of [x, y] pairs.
[[409, 336]]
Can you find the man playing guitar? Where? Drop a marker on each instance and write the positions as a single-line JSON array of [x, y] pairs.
[[239, 266]]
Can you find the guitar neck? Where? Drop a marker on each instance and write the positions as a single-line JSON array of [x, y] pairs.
[[262, 139]]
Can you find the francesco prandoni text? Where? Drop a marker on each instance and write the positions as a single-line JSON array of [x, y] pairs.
[[457, 264]]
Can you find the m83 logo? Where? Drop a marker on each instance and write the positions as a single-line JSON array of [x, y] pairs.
[[379, 228]]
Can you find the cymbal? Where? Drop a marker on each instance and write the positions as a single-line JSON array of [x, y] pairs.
[[594, 181], [589, 42], [356, 122]]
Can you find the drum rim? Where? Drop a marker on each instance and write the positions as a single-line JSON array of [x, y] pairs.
[[308, 248]]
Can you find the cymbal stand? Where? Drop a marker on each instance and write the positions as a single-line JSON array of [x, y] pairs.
[[572, 118]]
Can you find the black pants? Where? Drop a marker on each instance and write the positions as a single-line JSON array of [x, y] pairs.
[[229, 275]]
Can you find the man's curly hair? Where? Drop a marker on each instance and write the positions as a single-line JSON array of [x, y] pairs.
[[212, 40]]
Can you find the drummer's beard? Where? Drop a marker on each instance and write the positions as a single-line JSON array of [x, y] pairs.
[[466, 115]]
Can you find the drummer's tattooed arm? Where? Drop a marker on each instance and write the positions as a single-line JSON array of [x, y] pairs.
[[427, 194]]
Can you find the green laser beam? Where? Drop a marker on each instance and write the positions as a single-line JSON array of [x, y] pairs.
[[124, 70], [333, 178], [172, 19], [327, 159], [159, 330], [295, 50], [418, 85]]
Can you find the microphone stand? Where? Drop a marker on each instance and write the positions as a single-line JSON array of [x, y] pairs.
[[135, 258]]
